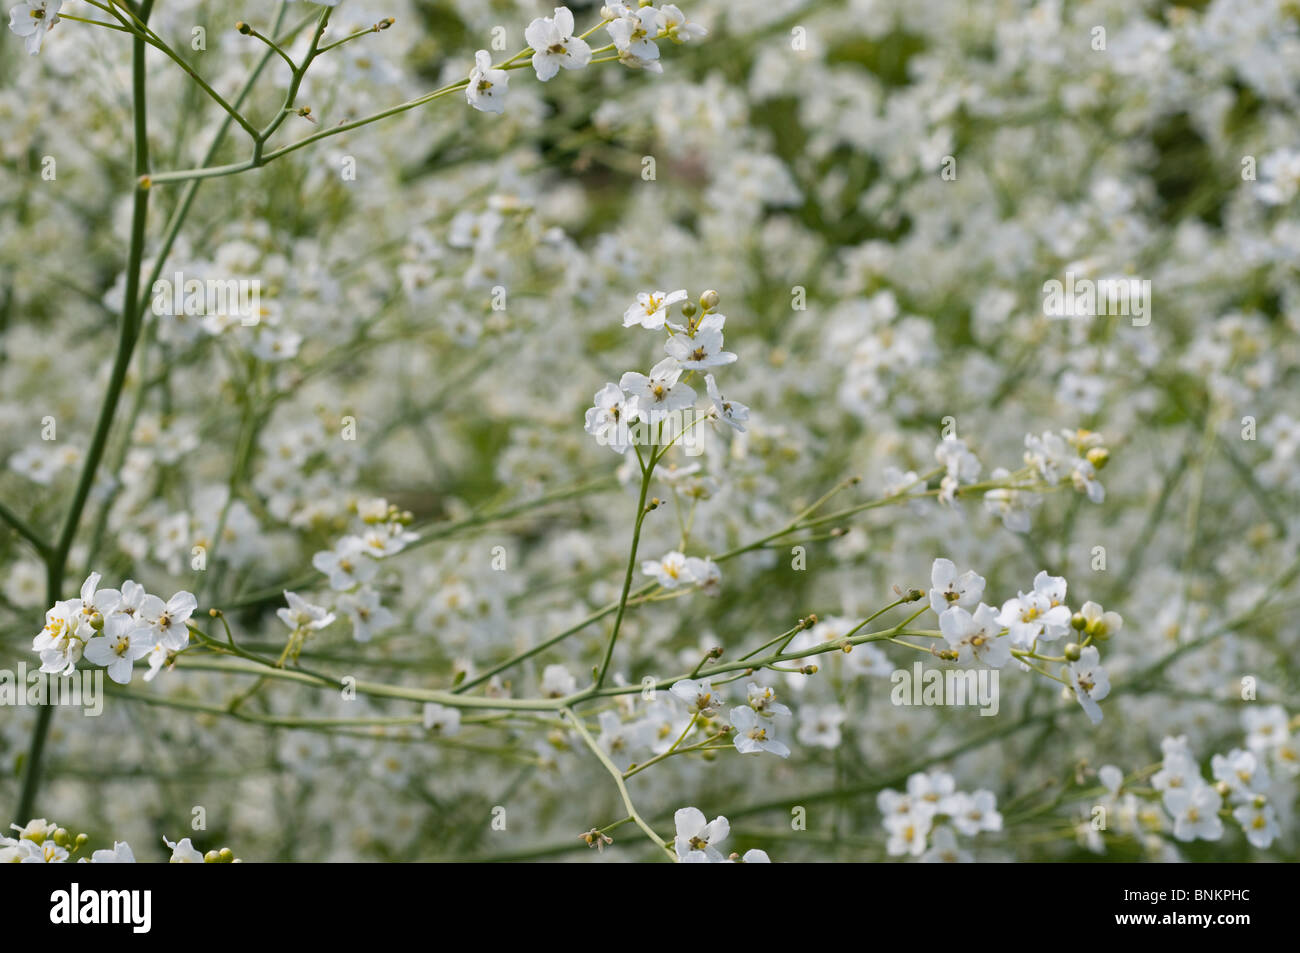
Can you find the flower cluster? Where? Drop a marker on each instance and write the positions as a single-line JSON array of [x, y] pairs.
[[1245, 786], [114, 628], [633, 32], [979, 634], [43, 842], [924, 821]]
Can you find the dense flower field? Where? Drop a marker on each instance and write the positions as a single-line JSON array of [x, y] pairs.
[[787, 430]]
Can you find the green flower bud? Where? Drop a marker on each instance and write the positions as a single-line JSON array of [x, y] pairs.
[[1073, 652]]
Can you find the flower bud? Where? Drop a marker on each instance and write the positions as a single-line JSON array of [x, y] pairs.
[[1223, 787], [1073, 652], [709, 300], [1098, 457], [689, 309], [243, 28], [212, 857], [226, 855], [1078, 622]]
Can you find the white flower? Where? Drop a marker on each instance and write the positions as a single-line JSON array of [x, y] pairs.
[[123, 641], [58, 643], [120, 854], [303, 615], [165, 622], [762, 698], [755, 856], [347, 564], [819, 726], [696, 838], [945, 850], [32, 19], [907, 833], [1010, 505], [933, 789], [365, 612], [1037, 614], [703, 349], [1089, 682], [1259, 821], [733, 413], [961, 465], [1242, 772], [632, 33], [441, 720], [674, 23], [948, 589], [1099, 623], [660, 394], [385, 540], [699, 696], [704, 572], [975, 637], [753, 734], [610, 419], [972, 813], [554, 45], [670, 571], [487, 87], [183, 852], [1196, 812], [651, 308], [557, 682]]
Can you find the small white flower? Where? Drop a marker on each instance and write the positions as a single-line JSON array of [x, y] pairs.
[[554, 45], [948, 589], [670, 571], [366, 613], [699, 696], [487, 87], [1196, 812], [679, 29], [733, 413], [441, 720], [945, 850], [819, 726], [165, 622], [1259, 821], [754, 734], [1089, 682], [651, 308], [703, 349], [183, 852], [123, 641], [303, 615], [611, 418], [660, 393], [975, 636], [347, 564], [633, 32], [120, 854], [557, 682], [975, 812], [697, 838], [32, 19]]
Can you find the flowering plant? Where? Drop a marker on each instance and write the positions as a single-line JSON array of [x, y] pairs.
[[738, 436]]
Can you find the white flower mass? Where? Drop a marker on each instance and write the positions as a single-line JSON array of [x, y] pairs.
[[596, 433]]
